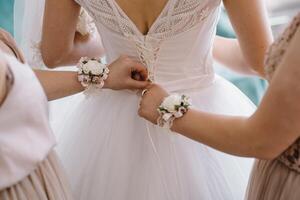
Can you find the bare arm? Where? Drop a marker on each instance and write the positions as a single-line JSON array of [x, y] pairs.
[[266, 134], [250, 22], [228, 52], [58, 84], [274, 126], [61, 44]]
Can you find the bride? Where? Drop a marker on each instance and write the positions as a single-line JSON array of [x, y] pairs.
[[108, 151]]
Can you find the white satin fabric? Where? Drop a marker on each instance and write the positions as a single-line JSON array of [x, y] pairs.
[[25, 134]]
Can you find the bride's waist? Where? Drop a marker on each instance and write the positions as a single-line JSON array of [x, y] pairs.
[[173, 86], [187, 83]]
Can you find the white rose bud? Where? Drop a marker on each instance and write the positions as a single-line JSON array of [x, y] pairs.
[[170, 102], [94, 67]]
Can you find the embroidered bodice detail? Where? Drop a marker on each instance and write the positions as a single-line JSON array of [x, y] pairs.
[[178, 16], [291, 157]]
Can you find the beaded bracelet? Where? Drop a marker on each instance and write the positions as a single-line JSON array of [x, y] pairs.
[[92, 73], [173, 107]]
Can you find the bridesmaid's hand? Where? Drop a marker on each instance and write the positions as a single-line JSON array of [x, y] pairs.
[[151, 100], [127, 73]]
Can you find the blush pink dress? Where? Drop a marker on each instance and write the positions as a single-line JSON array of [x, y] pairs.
[[278, 179], [29, 168]]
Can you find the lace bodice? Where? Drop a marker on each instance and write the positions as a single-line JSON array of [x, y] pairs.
[[176, 17], [177, 31], [291, 157]]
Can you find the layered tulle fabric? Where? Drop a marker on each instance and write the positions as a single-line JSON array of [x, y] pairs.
[[111, 153], [47, 182]]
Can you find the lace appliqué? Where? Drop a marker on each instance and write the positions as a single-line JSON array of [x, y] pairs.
[[291, 157], [184, 16], [103, 11], [34, 59], [85, 24], [178, 17]]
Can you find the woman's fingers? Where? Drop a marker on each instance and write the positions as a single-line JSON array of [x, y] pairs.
[[136, 76], [140, 71], [134, 84]]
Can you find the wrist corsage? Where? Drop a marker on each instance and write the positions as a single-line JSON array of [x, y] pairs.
[[173, 107], [92, 73]]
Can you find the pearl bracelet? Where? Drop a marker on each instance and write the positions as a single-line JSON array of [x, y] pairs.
[[92, 73], [173, 107]]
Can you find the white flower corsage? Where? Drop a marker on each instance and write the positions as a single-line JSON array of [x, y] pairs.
[[173, 107], [85, 24], [92, 73]]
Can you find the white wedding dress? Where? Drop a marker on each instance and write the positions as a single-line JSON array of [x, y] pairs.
[[110, 153]]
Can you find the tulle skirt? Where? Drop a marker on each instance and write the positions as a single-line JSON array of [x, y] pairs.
[[47, 182], [272, 180], [110, 153]]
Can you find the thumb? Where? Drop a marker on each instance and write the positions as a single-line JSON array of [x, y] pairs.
[[134, 84], [141, 70]]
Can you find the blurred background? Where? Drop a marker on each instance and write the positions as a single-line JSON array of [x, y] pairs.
[[6, 15], [280, 12]]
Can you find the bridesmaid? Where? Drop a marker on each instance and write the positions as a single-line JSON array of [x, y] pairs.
[[29, 168], [271, 134]]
